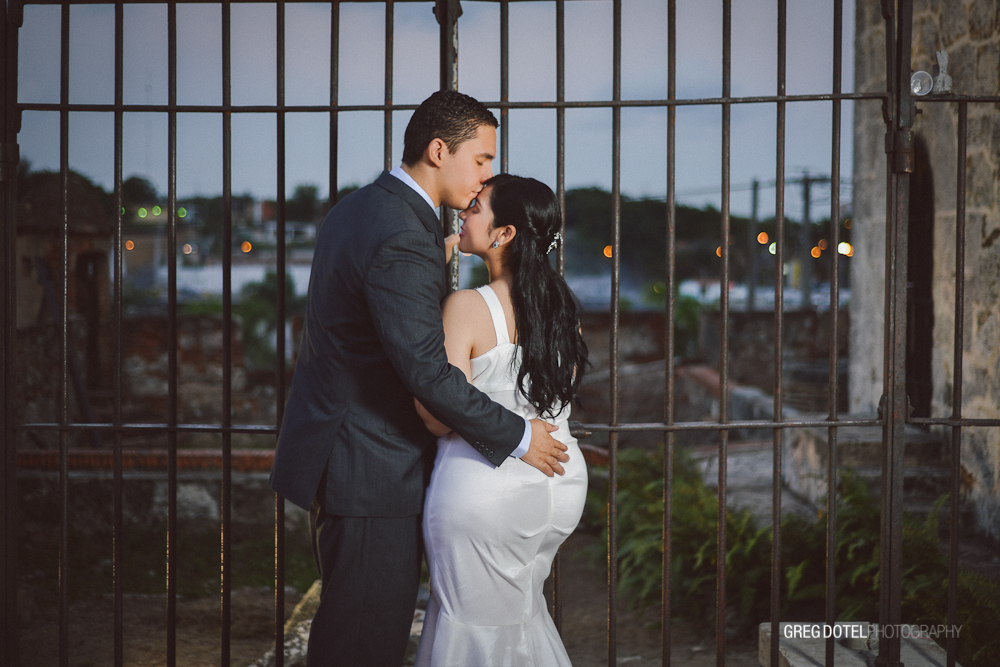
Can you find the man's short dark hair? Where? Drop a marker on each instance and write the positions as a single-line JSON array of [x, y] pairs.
[[446, 115]]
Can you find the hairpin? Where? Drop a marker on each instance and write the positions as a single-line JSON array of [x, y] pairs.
[[555, 241]]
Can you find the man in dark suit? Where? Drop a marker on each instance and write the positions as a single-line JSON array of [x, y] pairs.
[[351, 447]]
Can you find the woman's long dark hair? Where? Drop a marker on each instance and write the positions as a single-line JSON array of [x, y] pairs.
[[546, 314]]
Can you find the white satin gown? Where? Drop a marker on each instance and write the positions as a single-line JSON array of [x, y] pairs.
[[491, 535]]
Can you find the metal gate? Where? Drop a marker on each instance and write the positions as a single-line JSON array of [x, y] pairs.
[[899, 114]]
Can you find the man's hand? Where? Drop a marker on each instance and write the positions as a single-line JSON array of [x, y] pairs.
[[450, 242], [545, 452]]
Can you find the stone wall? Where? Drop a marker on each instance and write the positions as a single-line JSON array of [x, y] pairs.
[[969, 31]]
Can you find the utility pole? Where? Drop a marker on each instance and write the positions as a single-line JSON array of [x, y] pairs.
[[754, 250]]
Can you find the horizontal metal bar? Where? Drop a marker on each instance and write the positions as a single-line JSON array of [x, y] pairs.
[[592, 104], [599, 428], [948, 421]]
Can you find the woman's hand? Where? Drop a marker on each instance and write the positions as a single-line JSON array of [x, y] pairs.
[[450, 242]]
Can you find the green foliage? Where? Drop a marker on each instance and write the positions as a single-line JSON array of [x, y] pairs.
[[694, 535], [257, 309], [687, 311]]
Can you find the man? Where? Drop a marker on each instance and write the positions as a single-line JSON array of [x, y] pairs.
[[351, 445]]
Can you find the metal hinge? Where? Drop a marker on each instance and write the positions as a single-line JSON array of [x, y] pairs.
[[899, 145], [10, 157]]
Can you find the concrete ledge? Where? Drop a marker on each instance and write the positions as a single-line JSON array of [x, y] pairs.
[[852, 649]]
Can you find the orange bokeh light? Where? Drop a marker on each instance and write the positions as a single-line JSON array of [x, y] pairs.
[[822, 244], [129, 245], [815, 252], [607, 251], [246, 247], [762, 238], [718, 251]]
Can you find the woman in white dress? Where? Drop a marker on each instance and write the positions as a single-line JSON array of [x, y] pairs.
[[491, 533]]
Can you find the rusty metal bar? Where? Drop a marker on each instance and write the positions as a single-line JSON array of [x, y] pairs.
[[720, 592], [281, 319], [670, 328], [504, 85], [831, 458], [956, 396], [9, 529], [227, 333], [62, 324], [543, 104], [616, 266], [779, 314], [119, 202], [895, 403], [334, 99], [557, 606], [447, 12], [387, 120], [174, 372]]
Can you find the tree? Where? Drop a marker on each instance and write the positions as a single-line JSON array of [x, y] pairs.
[[137, 191]]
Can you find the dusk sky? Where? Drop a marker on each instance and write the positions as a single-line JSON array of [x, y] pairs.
[[532, 78]]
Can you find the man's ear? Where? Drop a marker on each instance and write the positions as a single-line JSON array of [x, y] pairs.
[[435, 151]]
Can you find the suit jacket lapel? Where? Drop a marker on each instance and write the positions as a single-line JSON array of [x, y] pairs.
[[416, 202]]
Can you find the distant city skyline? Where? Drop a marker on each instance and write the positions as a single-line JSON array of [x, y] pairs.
[[415, 75]]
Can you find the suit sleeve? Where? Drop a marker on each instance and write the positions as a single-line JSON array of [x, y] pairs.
[[402, 291]]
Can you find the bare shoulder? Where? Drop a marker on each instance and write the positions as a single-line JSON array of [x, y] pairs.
[[466, 314]]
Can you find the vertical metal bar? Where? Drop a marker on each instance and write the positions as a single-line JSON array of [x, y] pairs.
[[752, 247], [561, 250], [669, 390], [831, 458], [890, 572], [118, 554], [504, 83], [227, 328], [64, 345], [779, 315], [616, 264], [720, 619], [956, 397], [281, 319], [805, 238], [447, 12], [387, 140], [9, 121], [334, 96], [172, 337]]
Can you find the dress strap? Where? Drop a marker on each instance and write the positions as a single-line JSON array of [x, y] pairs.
[[496, 312]]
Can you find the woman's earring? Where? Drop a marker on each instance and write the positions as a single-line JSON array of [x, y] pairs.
[[496, 244]]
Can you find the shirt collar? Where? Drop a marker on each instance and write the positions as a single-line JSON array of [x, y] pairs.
[[401, 174]]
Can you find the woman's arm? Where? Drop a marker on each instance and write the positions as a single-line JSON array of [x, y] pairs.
[[459, 312]]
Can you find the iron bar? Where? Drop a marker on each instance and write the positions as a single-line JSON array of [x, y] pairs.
[[334, 108], [720, 599], [504, 84], [616, 264], [834, 376], [281, 319], [447, 12], [544, 104], [172, 561], [956, 396], [779, 314], [119, 203], [670, 328], [561, 249], [227, 333], [64, 345], [387, 119]]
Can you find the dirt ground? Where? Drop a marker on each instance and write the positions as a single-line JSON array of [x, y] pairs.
[[584, 590]]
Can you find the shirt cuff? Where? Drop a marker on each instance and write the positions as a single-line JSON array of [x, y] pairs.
[[522, 448]]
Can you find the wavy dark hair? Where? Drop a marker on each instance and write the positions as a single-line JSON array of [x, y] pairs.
[[546, 313]]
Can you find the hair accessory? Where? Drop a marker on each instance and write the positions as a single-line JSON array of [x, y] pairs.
[[496, 244], [555, 241]]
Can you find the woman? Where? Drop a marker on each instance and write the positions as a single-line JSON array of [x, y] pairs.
[[491, 533]]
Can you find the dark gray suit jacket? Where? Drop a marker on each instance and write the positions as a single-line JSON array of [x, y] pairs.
[[373, 340]]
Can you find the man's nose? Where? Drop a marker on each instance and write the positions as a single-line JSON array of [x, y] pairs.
[[487, 171]]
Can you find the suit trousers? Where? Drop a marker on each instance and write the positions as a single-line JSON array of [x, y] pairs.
[[370, 569]]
